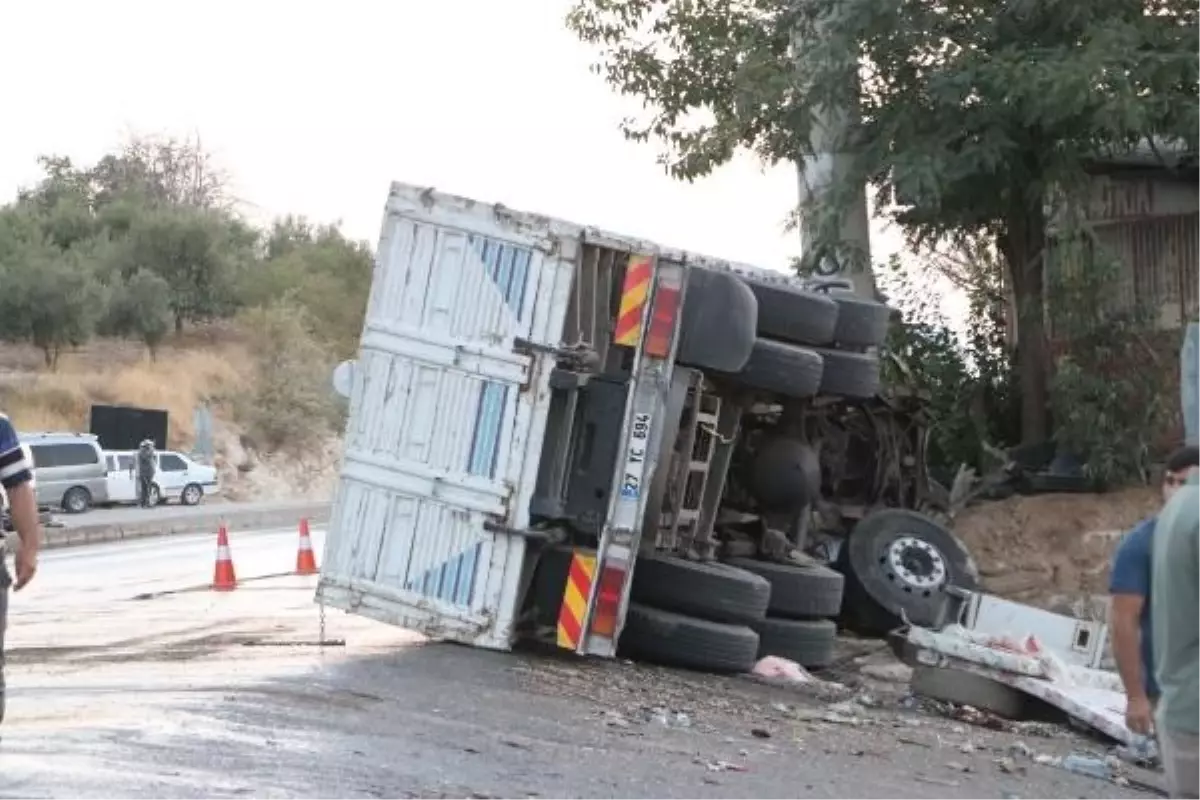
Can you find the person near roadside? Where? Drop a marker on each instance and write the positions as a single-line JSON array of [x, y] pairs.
[[1130, 617], [146, 466], [16, 476], [1176, 620]]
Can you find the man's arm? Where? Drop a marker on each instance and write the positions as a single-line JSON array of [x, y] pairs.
[[16, 476], [1126, 615], [1130, 590]]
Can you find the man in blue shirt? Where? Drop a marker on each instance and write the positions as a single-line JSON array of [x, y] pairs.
[[1130, 616], [16, 477]]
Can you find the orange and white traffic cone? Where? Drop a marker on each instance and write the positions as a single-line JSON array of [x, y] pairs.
[[223, 578], [306, 562]]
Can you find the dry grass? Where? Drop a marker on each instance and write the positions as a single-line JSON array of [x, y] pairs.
[[207, 366]]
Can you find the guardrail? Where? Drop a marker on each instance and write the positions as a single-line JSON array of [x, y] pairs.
[[166, 524]]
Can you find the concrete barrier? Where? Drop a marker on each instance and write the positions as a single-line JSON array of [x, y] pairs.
[[164, 523]]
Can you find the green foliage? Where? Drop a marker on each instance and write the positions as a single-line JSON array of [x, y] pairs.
[[972, 113], [967, 382], [293, 402], [50, 298], [1109, 395], [197, 252], [320, 270], [141, 307]]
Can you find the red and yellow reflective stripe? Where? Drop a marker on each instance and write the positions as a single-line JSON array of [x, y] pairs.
[[634, 292], [575, 599]]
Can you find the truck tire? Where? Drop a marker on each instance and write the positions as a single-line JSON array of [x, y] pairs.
[[708, 590], [849, 374], [860, 322], [808, 642], [793, 315], [798, 592], [968, 689], [665, 637], [783, 369], [719, 316], [904, 561]]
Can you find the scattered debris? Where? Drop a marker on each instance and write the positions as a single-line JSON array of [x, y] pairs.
[[781, 668], [782, 708], [760, 733], [936, 781], [894, 672], [966, 747], [1007, 765], [867, 700], [914, 742], [958, 766], [721, 766], [1047, 760], [1020, 750]]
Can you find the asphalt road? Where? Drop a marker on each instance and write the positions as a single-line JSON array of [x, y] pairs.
[[129, 678]]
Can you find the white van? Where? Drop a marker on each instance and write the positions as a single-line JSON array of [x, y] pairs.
[[177, 478], [68, 469]]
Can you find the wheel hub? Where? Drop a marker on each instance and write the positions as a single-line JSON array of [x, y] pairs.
[[916, 564]]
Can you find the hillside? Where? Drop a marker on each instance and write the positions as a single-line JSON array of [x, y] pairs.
[[211, 364]]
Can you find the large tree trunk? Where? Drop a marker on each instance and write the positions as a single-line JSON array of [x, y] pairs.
[[1023, 243]]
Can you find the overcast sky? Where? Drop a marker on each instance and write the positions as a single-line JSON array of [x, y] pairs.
[[315, 108]]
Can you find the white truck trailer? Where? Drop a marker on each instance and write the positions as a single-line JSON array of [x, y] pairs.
[[560, 432]]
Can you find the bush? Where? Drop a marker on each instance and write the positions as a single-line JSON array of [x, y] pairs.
[[293, 404]]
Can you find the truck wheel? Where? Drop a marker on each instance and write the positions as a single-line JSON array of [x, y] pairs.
[[792, 314], [783, 369], [708, 590], [665, 637], [798, 591], [860, 322], [904, 561], [968, 689], [808, 642], [717, 329], [849, 374]]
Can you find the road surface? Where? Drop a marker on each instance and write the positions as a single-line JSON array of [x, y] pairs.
[[129, 678]]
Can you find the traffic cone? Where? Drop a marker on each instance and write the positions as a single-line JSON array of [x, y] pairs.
[[223, 577], [306, 562]]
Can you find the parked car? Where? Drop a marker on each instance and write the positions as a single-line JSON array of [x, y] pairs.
[[68, 469], [177, 478]]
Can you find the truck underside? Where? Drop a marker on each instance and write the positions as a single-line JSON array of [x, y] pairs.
[[789, 489]]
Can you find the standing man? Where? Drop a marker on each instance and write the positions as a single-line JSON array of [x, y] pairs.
[[16, 476], [1130, 617], [1176, 602], [146, 467]]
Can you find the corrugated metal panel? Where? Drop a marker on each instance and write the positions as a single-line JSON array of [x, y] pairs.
[[1159, 265], [446, 418]]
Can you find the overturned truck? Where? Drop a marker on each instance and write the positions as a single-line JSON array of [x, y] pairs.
[[562, 433]]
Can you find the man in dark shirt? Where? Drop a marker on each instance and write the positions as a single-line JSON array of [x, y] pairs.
[[16, 476], [1130, 617]]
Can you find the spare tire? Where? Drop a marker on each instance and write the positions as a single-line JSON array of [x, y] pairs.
[[849, 374], [665, 637], [717, 330], [903, 562], [792, 314], [796, 590], [860, 322], [808, 642], [782, 369], [785, 475], [704, 589]]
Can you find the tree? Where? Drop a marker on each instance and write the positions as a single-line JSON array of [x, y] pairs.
[[162, 171], [319, 269], [50, 298], [974, 115], [141, 307], [198, 253]]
